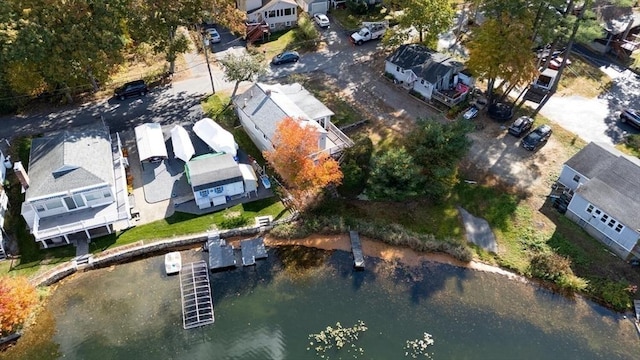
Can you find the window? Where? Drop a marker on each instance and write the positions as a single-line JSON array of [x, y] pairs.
[[288, 23], [398, 68], [53, 204], [590, 209], [279, 12], [218, 190], [597, 212], [40, 207], [204, 193], [604, 218], [272, 14], [92, 196], [576, 178], [70, 203], [79, 200], [611, 223], [106, 193], [619, 227], [288, 11], [272, 26], [422, 81]]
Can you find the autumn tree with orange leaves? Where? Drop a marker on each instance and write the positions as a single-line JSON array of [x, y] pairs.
[[17, 300], [297, 159]]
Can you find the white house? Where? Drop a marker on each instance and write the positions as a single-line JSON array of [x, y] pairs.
[[263, 106], [431, 74], [214, 178], [277, 14], [605, 189], [4, 199], [313, 7], [76, 185]]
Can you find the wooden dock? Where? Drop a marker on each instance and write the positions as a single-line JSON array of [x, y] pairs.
[[197, 304], [356, 249], [252, 249]]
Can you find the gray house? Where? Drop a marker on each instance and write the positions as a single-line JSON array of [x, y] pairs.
[[76, 186], [263, 106], [604, 186], [431, 74]]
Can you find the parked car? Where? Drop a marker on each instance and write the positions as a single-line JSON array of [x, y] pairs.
[[630, 116], [138, 87], [537, 138], [521, 126], [214, 36], [286, 57], [322, 20], [471, 112]]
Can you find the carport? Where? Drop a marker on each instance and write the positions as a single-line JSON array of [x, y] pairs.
[[150, 142]]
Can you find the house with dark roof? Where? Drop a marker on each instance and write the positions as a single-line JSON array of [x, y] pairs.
[[604, 186], [431, 74], [76, 186], [214, 179], [263, 106]]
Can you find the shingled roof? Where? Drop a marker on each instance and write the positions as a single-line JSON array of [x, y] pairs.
[[68, 160], [424, 62], [614, 181]]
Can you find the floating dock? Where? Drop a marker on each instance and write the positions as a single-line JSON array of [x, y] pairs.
[[221, 255], [252, 249], [197, 304], [356, 249]]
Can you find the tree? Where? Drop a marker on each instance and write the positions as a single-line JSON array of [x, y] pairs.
[[437, 149], [241, 68], [394, 176], [429, 17], [502, 48], [17, 300], [299, 161]]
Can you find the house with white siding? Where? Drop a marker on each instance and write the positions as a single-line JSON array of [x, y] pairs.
[[263, 106], [429, 73], [214, 178], [604, 185], [76, 186], [276, 14]]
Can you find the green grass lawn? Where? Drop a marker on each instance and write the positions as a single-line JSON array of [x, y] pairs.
[[183, 224]]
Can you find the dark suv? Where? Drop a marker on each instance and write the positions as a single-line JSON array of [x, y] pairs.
[[630, 116], [132, 88], [537, 137]]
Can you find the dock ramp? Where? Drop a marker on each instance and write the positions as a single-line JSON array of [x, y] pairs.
[[356, 249], [197, 304]]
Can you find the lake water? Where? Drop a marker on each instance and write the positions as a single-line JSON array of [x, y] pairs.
[[133, 311]]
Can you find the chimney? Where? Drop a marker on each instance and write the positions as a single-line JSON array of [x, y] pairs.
[[268, 92], [245, 103], [22, 175]]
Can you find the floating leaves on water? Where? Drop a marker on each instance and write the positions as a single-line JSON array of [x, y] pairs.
[[418, 347], [337, 338]]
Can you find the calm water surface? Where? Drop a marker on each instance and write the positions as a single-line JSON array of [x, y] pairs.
[[133, 311]]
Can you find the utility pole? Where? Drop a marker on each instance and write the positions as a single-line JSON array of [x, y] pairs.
[[205, 41]]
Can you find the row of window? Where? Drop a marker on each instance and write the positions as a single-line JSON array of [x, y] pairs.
[[604, 218], [216, 190], [76, 201], [279, 12]]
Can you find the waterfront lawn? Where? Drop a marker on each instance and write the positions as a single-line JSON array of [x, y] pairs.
[[180, 224]]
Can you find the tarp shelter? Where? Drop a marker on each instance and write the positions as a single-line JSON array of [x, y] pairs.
[[150, 142], [218, 139], [250, 179], [182, 146]]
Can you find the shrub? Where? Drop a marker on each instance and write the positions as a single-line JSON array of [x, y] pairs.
[[233, 222], [389, 75], [307, 34], [358, 7], [615, 294], [292, 230], [550, 266]]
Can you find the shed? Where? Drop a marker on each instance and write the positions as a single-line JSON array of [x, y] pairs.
[[150, 142], [215, 136], [250, 179], [182, 146]]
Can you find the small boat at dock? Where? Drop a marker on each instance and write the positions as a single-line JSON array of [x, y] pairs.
[[172, 263]]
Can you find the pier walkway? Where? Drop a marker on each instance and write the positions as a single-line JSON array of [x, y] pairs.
[[197, 304], [356, 249]]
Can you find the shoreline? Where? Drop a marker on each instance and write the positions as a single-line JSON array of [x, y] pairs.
[[380, 250]]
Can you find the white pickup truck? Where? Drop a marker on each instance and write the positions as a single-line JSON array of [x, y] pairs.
[[369, 31]]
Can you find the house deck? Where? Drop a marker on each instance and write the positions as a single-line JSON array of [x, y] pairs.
[[197, 304], [252, 249]]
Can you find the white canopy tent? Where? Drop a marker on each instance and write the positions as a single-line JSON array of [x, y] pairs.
[[182, 146], [150, 142], [218, 139], [250, 179]]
